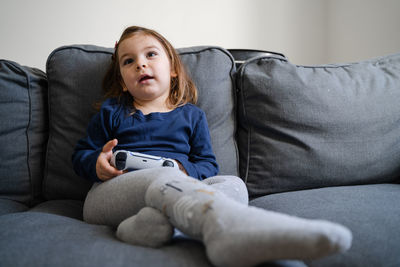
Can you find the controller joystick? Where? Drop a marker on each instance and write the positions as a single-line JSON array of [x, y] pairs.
[[120, 161], [168, 163]]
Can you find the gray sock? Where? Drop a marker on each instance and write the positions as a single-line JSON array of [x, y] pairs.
[[148, 228], [266, 236]]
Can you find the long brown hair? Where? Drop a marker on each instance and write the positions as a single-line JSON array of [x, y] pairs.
[[182, 90]]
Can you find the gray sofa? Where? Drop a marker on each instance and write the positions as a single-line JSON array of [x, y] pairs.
[[312, 141]]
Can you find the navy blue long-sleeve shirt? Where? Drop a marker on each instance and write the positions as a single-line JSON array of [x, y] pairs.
[[181, 134]]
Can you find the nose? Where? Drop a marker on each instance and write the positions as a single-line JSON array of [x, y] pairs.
[[141, 64]]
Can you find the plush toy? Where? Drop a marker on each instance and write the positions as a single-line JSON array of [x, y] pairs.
[[214, 211]]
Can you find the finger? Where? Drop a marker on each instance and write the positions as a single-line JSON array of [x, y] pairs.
[[110, 145], [110, 171], [104, 170], [106, 175]]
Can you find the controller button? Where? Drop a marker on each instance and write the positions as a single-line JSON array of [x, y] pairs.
[[168, 163]]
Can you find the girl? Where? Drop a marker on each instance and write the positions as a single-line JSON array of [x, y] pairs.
[[147, 80], [150, 109]]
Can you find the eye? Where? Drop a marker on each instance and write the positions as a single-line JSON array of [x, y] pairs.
[[152, 54], [128, 61]]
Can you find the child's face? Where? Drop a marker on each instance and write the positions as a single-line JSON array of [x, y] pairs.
[[145, 68]]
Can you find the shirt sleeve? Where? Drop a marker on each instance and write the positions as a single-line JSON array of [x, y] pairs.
[[201, 163], [88, 148]]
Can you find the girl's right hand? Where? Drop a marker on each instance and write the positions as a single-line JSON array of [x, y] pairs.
[[104, 170]]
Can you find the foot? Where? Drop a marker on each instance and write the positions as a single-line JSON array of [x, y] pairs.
[[247, 236], [149, 228]]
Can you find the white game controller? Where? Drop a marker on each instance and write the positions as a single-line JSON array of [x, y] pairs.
[[127, 160]]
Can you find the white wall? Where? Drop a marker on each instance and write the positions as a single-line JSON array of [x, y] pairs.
[[360, 29], [307, 31]]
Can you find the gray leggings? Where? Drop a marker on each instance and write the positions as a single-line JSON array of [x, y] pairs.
[[113, 201], [215, 211]]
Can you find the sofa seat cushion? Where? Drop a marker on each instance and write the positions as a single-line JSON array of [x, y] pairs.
[[60, 241], [303, 127], [69, 208], [56, 240], [10, 206], [371, 212]]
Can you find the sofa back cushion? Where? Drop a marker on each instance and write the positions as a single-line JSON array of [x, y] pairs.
[[75, 74], [306, 127], [23, 132]]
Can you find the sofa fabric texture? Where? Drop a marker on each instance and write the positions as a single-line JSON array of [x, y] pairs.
[[310, 127], [64, 241], [319, 142], [365, 209], [23, 132]]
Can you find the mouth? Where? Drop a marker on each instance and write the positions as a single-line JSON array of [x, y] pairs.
[[145, 77]]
